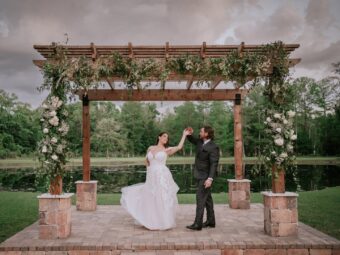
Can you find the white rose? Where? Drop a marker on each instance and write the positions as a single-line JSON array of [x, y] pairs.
[[277, 116], [291, 132], [54, 157], [290, 147], [278, 141], [54, 140], [53, 113], [56, 103], [291, 114], [44, 149], [268, 119], [283, 155], [59, 103], [44, 106], [54, 121], [285, 122], [293, 137], [278, 130], [273, 153], [64, 128], [45, 130], [60, 148]]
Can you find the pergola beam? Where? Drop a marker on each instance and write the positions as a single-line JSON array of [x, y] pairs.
[[161, 95], [159, 51]]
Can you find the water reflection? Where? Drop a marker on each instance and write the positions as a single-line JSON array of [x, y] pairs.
[[111, 179]]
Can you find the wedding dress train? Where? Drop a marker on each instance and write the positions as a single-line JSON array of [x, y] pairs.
[[153, 204]]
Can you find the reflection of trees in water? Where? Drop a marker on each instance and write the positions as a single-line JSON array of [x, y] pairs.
[[112, 179], [311, 177]]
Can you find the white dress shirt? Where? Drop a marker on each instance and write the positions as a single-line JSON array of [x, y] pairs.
[[206, 141]]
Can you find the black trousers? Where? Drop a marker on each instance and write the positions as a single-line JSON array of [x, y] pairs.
[[204, 200]]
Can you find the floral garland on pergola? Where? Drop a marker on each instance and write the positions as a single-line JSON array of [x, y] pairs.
[[63, 75]]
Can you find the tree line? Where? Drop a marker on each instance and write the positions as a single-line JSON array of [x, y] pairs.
[[128, 130]]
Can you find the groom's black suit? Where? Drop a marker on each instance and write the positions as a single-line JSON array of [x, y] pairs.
[[206, 162]]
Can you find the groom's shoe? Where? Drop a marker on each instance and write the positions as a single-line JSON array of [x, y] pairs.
[[194, 227], [208, 225]]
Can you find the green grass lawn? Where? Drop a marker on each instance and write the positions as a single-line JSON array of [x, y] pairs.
[[319, 209]]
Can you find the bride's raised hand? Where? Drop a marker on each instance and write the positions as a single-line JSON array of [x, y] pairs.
[[186, 132]]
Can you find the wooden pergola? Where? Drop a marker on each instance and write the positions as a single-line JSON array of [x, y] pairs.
[[187, 93]]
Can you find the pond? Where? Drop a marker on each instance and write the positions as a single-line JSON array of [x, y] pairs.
[[112, 179]]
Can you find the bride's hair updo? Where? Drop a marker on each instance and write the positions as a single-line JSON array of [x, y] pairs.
[[160, 134]]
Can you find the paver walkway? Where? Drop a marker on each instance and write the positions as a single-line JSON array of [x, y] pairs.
[[110, 228]]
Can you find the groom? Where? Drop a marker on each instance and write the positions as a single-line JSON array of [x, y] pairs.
[[206, 162]]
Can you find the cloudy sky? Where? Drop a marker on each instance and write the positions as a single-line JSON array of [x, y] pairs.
[[314, 24]]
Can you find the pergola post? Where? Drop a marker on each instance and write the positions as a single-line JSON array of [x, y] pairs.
[[86, 138], [238, 141], [239, 188], [86, 189]]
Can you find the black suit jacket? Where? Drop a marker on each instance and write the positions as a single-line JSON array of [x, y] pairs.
[[207, 157]]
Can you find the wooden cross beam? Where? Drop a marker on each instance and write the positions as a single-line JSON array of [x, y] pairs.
[[162, 95]]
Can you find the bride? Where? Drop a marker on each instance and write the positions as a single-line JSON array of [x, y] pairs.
[[153, 204]]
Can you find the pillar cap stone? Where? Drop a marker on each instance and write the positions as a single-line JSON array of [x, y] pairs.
[[242, 180], [49, 195], [286, 194], [86, 181]]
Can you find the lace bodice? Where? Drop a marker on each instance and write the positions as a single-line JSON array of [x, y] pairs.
[[158, 158]]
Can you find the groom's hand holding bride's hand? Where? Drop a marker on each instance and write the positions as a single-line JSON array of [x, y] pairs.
[[190, 130]]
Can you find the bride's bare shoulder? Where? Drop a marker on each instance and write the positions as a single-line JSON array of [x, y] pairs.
[[151, 147]]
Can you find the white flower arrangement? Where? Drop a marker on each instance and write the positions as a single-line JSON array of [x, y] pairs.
[[279, 125], [53, 146]]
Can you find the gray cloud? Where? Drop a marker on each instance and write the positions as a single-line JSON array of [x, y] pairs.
[[314, 24]]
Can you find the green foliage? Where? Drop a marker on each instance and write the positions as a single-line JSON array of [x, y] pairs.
[[276, 88], [19, 127], [135, 119], [83, 73]]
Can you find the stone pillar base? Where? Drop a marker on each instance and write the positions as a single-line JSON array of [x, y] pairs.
[[239, 193], [86, 195], [54, 215], [280, 213]]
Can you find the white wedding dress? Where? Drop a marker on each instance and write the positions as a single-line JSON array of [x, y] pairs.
[[154, 203]]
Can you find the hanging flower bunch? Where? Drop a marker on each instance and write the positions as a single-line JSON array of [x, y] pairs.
[[280, 151]]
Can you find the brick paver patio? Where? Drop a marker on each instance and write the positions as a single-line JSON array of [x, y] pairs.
[[110, 230]]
